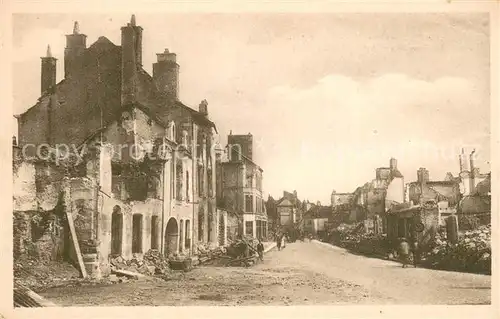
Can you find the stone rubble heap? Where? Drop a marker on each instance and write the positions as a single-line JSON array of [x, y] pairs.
[[152, 263], [242, 252]]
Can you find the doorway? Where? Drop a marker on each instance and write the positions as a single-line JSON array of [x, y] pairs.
[[116, 231], [171, 236], [137, 233]]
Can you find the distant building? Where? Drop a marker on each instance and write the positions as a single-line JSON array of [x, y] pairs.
[[469, 175], [240, 180], [368, 203], [317, 218], [290, 210], [403, 218], [340, 198], [445, 194], [475, 188]]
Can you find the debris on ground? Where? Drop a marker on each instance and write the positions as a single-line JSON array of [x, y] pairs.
[[241, 252], [24, 297], [36, 274], [181, 263], [152, 263]]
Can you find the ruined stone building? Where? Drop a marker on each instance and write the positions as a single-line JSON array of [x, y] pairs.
[[316, 219], [240, 186], [368, 203], [340, 198], [445, 194], [468, 196], [131, 163], [290, 211]]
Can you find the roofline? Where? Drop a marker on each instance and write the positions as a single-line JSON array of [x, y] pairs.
[[212, 124]]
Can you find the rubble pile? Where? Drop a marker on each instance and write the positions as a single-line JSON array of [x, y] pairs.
[[472, 253], [152, 263], [35, 274], [241, 252]]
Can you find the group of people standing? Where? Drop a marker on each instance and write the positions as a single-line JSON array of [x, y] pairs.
[[406, 250], [281, 240]]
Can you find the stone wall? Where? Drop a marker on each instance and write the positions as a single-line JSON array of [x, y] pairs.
[[39, 236]]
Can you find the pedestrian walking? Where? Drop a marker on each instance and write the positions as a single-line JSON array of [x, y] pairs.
[[260, 250], [278, 241], [283, 241], [404, 252], [416, 253]]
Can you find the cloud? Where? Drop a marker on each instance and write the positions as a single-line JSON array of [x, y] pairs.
[[337, 131]]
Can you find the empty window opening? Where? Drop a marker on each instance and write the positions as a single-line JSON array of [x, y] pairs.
[[154, 232], [248, 203], [188, 198], [187, 240], [116, 231], [249, 228], [181, 233], [137, 234], [171, 236]]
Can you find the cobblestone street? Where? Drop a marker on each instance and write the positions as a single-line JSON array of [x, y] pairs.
[[308, 273]]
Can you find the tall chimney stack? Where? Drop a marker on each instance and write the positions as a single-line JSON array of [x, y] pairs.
[[423, 176], [131, 60], [166, 74], [203, 108], [464, 163], [472, 159], [76, 44], [49, 65], [393, 164]]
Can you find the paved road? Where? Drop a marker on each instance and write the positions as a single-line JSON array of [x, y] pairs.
[[302, 274], [386, 281]]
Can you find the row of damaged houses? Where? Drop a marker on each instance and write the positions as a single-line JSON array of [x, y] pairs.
[[388, 205], [110, 162]]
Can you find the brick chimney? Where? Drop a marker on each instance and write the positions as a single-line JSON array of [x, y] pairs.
[[423, 176], [464, 163], [393, 164], [48, 78], [203, 108], [474, 171], [472, 158], [76, 44], [131, 60], [166, 74]]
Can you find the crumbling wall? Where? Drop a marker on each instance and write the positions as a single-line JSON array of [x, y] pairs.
[[24, 188], [39, 236], [234, 227], [430, 219], [38, 216]]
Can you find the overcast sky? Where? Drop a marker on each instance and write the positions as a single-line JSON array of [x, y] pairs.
[[328, 97]]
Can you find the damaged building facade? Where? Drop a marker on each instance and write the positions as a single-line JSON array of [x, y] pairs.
[[432, 202], [125, 159]]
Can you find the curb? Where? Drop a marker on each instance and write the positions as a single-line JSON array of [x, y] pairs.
[[379, 257], [273, 245], [328, 245]]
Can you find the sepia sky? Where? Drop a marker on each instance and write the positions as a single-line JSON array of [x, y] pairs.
[[328, 97]]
